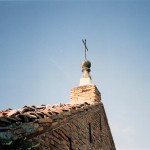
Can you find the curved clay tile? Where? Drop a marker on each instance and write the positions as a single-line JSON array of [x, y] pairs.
[[13, 112]]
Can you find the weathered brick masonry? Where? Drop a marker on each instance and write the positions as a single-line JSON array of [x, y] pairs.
[[79, 125]]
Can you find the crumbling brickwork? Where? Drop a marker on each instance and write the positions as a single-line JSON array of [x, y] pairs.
[[82, 131], [88, 93]]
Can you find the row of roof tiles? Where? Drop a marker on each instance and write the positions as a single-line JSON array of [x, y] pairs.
[[33, 113]]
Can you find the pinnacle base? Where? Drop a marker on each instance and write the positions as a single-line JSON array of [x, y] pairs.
[[85, 81]]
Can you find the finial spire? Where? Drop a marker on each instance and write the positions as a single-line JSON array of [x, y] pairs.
[[86, 49], [86, 65]]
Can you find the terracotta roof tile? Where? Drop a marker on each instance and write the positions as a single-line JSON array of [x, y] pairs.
[[39, 113]]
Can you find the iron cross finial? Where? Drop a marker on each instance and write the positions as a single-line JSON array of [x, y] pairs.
[[86, 49]]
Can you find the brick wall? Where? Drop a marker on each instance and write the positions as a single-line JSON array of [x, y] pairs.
[[82, 131]]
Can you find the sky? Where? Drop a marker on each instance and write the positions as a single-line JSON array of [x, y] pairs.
[[41, 51]]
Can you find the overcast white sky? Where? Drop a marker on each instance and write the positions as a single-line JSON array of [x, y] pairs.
[[41, 51]]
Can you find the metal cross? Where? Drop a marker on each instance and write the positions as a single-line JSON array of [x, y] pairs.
[[86, 49]]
